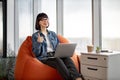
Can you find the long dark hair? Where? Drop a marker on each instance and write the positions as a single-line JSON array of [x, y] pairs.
[[40, 16]]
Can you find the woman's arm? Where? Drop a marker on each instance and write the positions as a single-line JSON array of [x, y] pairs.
[[36, 46]]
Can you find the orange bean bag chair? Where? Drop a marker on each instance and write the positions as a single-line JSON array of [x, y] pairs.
[[27, 67]]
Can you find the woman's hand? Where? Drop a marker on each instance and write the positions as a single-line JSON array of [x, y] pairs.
[[40, 39], [79, 79]]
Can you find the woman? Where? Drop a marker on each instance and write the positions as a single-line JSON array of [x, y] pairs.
[[44, 44]]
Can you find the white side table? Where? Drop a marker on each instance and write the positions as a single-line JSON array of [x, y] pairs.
[[100, 66]]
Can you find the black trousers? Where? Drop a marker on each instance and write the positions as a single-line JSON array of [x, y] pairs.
[[64, 66]]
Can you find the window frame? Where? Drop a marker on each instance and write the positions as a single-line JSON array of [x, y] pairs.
[[4, 8]]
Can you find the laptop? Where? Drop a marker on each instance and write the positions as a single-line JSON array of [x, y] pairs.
[[64, 50]]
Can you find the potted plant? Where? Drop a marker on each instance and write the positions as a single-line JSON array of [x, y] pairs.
[[98, 49]]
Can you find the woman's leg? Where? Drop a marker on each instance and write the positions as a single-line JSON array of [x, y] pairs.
[[71, 67], [58, 64]]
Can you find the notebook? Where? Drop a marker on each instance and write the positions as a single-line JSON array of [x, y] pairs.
[[64, 50]]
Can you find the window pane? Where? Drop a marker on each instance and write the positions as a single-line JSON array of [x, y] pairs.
[[25, 19], [111, 24], [1, 30], [78, 22], [49, 7]]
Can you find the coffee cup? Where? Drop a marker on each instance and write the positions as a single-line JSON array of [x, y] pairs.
[[90, 48]]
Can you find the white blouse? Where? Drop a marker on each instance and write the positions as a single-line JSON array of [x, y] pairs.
[[49, 46]]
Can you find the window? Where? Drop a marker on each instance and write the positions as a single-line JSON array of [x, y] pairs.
[[49, 7], [26, 14], [111, 24], [78, 22], [25, 19]]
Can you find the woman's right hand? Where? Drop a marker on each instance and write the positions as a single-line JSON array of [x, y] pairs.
[[40, 39]]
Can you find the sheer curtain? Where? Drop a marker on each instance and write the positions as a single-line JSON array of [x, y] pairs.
[[78, 22], [23, 21], [111, 24]]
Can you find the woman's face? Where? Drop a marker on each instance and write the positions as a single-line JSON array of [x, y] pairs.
[[44, 23]]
